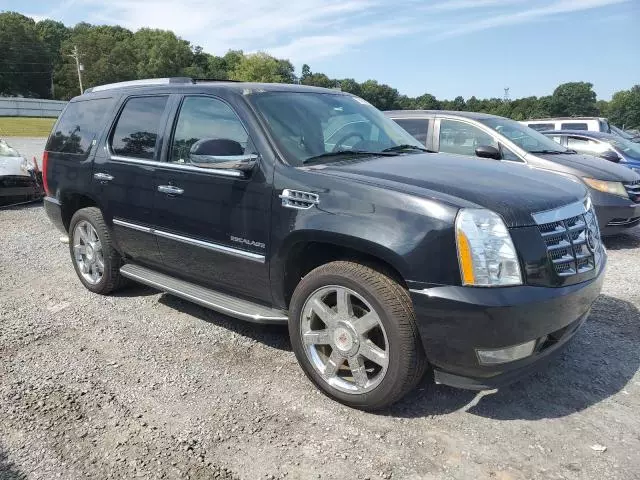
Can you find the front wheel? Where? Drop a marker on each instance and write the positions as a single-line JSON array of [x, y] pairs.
[[354, 333]]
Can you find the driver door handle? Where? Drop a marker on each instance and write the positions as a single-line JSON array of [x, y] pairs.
[[170, 189]]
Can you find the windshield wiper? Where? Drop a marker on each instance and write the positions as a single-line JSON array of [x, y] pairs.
[[546, 151], [405, 146], [344, 153]]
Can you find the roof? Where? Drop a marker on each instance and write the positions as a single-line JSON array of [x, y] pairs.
[[551, 119], [185, 82], [583, 133], [454, 113]]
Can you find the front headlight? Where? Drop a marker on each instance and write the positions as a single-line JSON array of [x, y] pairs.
[[27, 165], [486, 253], [615, 188]]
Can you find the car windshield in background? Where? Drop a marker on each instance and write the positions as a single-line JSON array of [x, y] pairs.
[[324, 126], [526, 138], [621, 133], [7, 151], [630, 149]]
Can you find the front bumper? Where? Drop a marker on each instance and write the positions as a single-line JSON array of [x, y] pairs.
[[18, 188], [615, 214], [455, 321]]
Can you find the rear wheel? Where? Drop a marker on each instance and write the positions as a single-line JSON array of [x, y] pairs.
[[95, 260], [353, 331]]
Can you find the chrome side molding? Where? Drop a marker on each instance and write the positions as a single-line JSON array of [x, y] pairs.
[[255, 257]]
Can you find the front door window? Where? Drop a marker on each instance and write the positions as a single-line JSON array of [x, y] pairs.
[[463, 138]]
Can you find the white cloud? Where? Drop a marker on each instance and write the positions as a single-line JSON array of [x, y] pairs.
[[304, 30]]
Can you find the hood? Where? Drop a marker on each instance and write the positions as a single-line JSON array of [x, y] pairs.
[[593, 167], [11, 166], [514, 191]]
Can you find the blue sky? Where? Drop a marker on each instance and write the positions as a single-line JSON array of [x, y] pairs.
[[443, 47]]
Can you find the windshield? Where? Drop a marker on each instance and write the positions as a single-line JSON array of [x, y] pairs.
[[7, 151], [307, 125], [629, 149], [526, 138]]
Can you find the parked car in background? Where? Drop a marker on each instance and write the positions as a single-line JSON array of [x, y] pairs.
[[243, 198], [19, 177], [627, 135], [614, 188], [594, 124], [604, 145]]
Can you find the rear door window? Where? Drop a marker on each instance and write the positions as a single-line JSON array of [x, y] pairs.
[[79, 125], [136, 132], [574, 126], [417, 127]]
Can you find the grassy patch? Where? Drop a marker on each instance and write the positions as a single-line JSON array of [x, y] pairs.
[[25, 126]]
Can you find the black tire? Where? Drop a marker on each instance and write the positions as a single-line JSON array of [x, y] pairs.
[[111, 279], [407, 360]]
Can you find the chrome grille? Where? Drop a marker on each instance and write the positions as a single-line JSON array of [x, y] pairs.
[[633, 189], [572, 238]]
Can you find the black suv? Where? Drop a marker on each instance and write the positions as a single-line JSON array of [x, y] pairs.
[[300, 205]]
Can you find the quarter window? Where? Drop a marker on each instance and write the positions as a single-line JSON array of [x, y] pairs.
[[136, 132], [78, 126], [206, 132], [463, 138], [417, 127]]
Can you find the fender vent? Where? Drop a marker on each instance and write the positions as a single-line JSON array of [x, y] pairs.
[[298, 200]]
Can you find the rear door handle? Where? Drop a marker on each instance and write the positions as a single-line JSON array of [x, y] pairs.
[[170, 190], [103, 177]]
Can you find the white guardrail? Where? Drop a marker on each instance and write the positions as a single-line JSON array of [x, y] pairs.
[[30, 107]]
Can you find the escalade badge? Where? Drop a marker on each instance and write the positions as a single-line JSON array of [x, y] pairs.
[[250, 243]]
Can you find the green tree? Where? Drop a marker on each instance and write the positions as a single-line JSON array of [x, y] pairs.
[[261, 67], [349, 85], [379, 95], [306, 71], [160, 53], [426, 101], [624, 108], [574, 98], [25, 64]]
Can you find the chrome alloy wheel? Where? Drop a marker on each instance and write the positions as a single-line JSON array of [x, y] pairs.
[[344, 339], [87, 251]]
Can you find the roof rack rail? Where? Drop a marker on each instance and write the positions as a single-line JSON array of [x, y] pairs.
[[196, 80], [141, 83]]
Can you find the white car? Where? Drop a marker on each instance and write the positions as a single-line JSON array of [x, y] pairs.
[[19, 177], [593, 124]]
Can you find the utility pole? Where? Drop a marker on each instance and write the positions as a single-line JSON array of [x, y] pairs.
[[76, 56]]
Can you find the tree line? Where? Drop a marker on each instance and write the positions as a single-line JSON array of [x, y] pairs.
[[36, 62]]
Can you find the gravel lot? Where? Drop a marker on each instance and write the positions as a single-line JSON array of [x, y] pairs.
[[143, 384]]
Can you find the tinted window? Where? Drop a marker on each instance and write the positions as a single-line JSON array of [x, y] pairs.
[[206, 130], [78, 126], [137, 129], [418, 128], [574, 126], [462, 138], [541, 127]]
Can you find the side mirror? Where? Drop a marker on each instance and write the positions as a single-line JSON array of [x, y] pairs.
[[611, 156], [487, 151], [221, 153]]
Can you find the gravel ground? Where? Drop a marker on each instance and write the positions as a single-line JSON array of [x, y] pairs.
[[143, 384]]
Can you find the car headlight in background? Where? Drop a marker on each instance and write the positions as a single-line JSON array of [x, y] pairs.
[[27, 165], [486, 253], [615, 188]]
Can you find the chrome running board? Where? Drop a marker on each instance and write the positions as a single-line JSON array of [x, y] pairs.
[[220, 302]]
